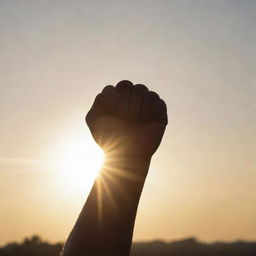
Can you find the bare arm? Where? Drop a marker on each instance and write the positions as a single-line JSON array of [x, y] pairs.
[[128, 122]]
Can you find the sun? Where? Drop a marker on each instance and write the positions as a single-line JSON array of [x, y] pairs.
[[77, 162]]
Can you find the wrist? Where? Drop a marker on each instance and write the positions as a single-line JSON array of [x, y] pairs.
[[133, 166]]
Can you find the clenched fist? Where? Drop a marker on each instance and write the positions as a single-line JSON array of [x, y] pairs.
[[128, 120]]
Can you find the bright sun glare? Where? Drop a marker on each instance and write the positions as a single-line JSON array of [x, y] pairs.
[[78, 161]]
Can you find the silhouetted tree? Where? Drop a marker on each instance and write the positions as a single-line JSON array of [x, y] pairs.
[[33, 246]]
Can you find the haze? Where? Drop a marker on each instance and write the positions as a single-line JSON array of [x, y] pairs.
[[55, 56]]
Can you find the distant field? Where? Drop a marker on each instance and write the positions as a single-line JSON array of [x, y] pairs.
[[35, 246]]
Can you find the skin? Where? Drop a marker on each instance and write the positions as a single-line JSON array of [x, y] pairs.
[[128, 122]]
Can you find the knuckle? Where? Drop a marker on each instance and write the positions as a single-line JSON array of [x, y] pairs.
[[153, 95], [88, 118], [140, 88], [98, 98], [163, 104], [163, 112], [124, 84], [108, 88]]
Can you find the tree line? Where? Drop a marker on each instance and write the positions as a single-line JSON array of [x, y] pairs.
[[35, 246]]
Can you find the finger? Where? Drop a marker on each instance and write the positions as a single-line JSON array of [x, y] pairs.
[[108, 89], [103, 104], [123, 89], [95, 111], [137, 98], [110, 98], [162, 112], [149, 109]]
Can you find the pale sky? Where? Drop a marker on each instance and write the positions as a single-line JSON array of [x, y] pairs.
[[200, 56]]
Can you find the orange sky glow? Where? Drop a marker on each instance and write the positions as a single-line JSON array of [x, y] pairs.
[[56, 56]]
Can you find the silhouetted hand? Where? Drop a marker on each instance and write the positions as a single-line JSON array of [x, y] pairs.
[[128, 120]]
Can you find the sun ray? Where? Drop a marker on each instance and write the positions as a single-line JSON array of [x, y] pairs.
[[108, 191], [125, 174], [99, 200], [114, 181]]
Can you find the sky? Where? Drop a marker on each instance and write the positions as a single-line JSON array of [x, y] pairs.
[[199, 56]]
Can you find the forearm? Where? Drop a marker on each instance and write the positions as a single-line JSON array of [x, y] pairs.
[[105, 225]]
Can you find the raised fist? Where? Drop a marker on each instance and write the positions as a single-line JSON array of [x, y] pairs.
[[128, 120]]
